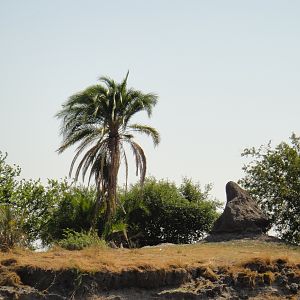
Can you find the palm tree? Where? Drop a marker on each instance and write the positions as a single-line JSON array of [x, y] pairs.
[[98, 118]]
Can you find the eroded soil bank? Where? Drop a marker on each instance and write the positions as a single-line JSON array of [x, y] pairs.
[[244, 269], [255, 279]]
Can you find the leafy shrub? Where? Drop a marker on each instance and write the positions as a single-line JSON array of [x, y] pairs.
[[46, 210], [73, 210], [74, 240], [158, 213], [37, 202]]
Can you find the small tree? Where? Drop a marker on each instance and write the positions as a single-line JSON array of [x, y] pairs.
[[273, 178]]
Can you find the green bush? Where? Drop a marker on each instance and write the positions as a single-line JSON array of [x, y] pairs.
[[73, 210], [159, 213], [74, 240], [50, 209], [41, 212]]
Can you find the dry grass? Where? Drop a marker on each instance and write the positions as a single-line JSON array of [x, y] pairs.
[[8, 278], [164, 257]]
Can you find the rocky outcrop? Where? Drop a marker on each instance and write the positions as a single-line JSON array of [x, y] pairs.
[[241, 214]]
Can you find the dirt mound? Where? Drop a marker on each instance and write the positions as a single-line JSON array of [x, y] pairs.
[[241, 214]]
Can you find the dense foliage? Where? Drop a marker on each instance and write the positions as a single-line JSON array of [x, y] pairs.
[[62, 212], [41, 211], [74, 210], [273, 178], [160, 212]]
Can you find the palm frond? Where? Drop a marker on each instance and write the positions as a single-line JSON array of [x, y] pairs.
[[110, 83], [148, 130], [137, 101], [126, 165], [140, 159], [72, 138]]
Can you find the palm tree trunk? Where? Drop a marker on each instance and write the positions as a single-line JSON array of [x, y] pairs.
[[112, 177]]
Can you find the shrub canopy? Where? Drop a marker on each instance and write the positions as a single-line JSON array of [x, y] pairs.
[[273, 178], [159, 213]]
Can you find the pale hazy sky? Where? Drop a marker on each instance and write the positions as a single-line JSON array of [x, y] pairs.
[[227, 74]]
